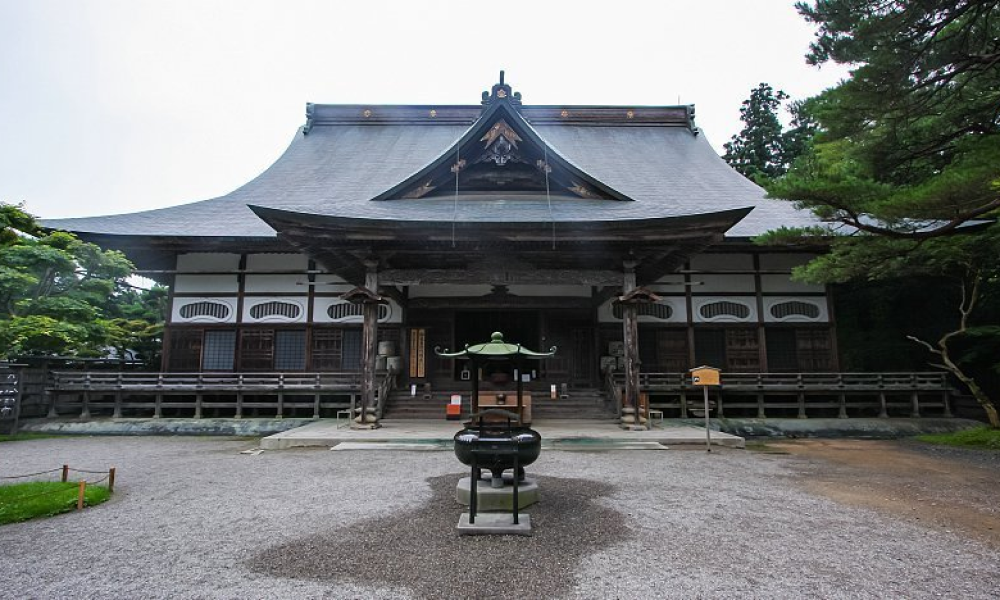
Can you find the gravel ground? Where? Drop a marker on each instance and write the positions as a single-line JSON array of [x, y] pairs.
[[193, 518]]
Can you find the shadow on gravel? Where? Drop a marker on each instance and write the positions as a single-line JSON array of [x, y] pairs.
[[420, 550]]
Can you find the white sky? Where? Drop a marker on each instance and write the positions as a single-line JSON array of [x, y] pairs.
[[111, 106]]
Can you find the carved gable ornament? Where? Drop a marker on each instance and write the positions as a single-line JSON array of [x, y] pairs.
[[501, 144], [501, 153]]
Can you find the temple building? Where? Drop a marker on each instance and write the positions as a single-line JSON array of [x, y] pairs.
[[444, 223]]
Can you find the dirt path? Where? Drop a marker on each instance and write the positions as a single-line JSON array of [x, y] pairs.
[[955, 489]]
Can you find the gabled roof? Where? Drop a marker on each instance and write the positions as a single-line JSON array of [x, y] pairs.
[[346, 159], [501, 153]]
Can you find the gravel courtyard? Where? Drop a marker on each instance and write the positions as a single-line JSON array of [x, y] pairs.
[[194, 518]]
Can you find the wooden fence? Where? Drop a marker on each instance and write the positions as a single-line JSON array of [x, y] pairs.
[[84, 393], [802, 395]]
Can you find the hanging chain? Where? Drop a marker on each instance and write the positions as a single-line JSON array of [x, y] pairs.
[[454, 214], [548, 195]]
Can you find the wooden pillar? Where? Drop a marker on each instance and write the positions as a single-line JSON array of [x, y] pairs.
[[630, 337], [369, 300]]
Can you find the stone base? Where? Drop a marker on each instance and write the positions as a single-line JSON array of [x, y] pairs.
[[494, 524], [364, 426], [498, 499]]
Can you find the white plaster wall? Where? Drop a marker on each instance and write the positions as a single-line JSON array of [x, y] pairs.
[[605, 313], [722, 262], [175, 315], [749, 301], [206, 284], [302, 302], [818, 301], [288, 284], [208, 261], [722, 283], [783, 262], [321, 304], [277, 262], [782, 283]]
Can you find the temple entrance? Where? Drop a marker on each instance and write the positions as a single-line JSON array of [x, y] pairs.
[[474, 326]]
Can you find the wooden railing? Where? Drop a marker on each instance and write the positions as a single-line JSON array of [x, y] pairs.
[[84, 392], [875, 394]]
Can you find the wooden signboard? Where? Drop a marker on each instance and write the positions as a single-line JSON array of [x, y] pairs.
[[418, 356], [705, 376], [10, 396]]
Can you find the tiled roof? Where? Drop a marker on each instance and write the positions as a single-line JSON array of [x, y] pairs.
[[342, 163]]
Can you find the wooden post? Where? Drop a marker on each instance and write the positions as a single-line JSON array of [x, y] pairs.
[[118, 398], [802, 405], [197, 406], [111, 480], [842, 400], [915, 405], [947, 406], [79, 497], [158, 406], [760, 405], [85, 411], [684, 405], [369, 300], [53, 396], [708, 426], [630, 339], [65, 473]]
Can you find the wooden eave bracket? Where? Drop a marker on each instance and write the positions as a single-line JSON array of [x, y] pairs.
[[362, 295], [639, 295]]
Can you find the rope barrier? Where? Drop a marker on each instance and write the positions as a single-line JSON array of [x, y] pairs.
[[33, 474], [65, 469]]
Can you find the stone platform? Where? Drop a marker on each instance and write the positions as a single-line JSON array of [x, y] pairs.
[[497, 499], [557, 434], [494, 524]]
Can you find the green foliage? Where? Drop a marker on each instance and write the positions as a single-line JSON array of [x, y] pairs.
[[60, 295], [909, 145], [905, 158], [980, 437], [762, 150], [24, 501]]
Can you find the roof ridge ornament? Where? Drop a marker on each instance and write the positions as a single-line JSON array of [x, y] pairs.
[[503, 93]]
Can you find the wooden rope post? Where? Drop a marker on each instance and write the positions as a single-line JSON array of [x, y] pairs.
[[111, 480], [79, 497], [65, 473]]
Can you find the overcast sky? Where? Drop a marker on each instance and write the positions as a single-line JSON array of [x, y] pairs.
[[111, 106]]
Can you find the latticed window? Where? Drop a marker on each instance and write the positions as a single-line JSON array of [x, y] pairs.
[[724, 308], [327, 349], [795, 308], [218, 350], [290, 350], [663, 350], [185, 350], [275, 308], [215, 310], [343, 310], [257, 350], [656, 310], [799, 350]]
